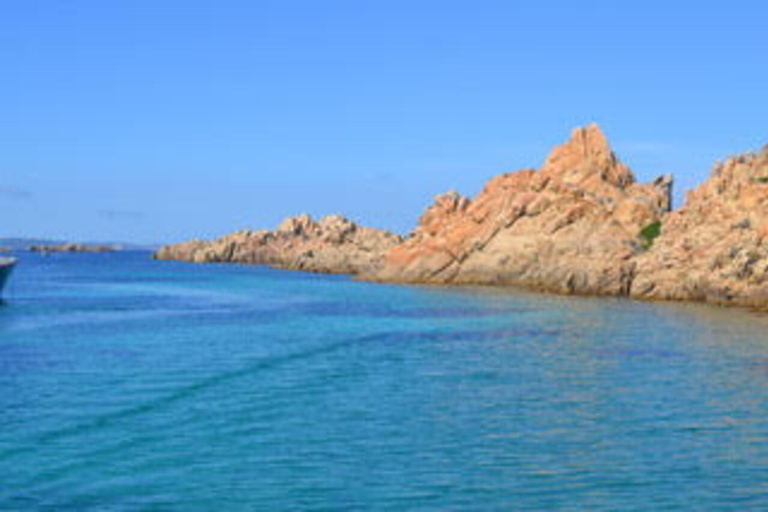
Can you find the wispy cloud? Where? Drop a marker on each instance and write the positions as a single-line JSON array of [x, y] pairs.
[[17, 194], [112, 214]]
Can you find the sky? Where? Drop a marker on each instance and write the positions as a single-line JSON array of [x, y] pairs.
[[154, 121]]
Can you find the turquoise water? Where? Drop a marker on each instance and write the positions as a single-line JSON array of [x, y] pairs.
[[131, 384]]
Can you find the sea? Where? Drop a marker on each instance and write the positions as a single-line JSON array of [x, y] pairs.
[[133, 384]]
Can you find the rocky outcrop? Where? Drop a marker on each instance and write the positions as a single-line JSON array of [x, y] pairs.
[[333, 244], [715, 248], [570, 227], [73, 247], [580, 224]]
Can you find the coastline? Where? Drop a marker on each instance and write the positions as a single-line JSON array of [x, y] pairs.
[[580, 225]]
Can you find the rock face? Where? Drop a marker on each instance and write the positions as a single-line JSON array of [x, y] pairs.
[[570, 227], [715, 248], [333, 244]]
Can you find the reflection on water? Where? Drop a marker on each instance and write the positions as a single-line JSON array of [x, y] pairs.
[[128, 383]]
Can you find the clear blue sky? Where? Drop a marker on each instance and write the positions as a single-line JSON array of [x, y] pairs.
[[161, 120]]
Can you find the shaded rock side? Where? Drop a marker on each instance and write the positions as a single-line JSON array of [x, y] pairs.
[[714, 248], [333, 244], [570, 227]]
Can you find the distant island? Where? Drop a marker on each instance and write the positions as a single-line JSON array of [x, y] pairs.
[[11, 244], [20, 244], [580, 224], [73, 247]]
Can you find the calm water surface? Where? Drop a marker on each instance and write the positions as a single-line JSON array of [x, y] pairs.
[[131, 384]]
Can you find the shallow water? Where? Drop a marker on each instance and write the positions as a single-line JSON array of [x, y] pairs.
[[129, 384]]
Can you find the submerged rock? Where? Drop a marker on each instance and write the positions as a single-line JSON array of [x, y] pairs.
[[570, 227], [333, 244]]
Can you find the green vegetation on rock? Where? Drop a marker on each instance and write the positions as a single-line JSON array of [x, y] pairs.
[[649, 233]]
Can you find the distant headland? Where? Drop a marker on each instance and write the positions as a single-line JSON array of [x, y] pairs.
[[74, 247], [580, 224], [20, 244]]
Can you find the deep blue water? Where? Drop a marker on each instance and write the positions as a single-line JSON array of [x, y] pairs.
[[131, 384]]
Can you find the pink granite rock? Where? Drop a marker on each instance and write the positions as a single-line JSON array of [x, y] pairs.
[[570, 227], [333, 244]]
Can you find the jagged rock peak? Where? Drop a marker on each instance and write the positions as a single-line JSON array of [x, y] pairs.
[[570, 227], [746, 168], [304, 224], [444, 206], [586, 155], [297, 225], [336, 222], [452, 201]]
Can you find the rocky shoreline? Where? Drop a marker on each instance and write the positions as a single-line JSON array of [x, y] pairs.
[[580, 224], [333, 245]]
